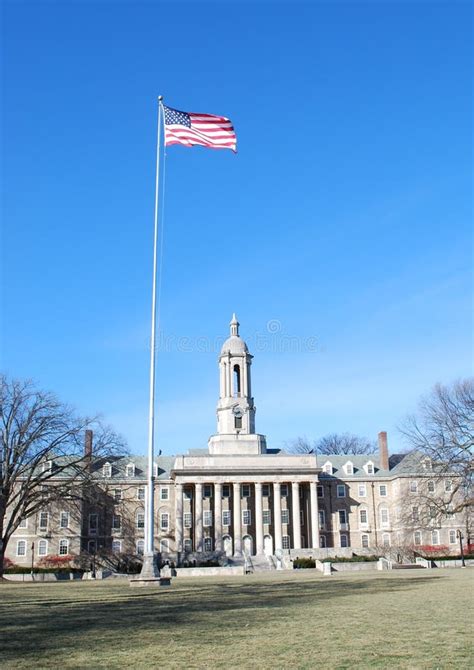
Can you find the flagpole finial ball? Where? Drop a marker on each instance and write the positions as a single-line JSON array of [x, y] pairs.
[[160, 98]]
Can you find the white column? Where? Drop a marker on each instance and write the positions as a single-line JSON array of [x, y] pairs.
[[295, 503], [178, 492], [198, 517], [314, 515], [258, 519], [218, 516], [277, 514], [237, 519]]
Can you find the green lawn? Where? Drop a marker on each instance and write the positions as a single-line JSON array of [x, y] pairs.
[[409, 619]]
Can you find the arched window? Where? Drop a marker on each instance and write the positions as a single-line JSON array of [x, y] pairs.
[[434, 537], [106, 470], [365, 541], [21, 548], [130, 470], [386, 539], [140, 547], [236, 381]]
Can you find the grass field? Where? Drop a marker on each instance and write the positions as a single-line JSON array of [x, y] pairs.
[[416, 619]]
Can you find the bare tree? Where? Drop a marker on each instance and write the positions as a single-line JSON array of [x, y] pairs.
[[442, 431], [334, 444], [42, 458]]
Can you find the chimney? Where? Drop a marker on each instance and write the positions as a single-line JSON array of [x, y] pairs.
[[88, 448], [383, 450]]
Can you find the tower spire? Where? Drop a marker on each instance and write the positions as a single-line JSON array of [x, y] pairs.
[[234, 326]]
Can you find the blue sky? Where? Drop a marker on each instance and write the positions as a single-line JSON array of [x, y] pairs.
[[343, 223]]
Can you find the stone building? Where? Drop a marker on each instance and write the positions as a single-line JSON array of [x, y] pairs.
[[241, 498]]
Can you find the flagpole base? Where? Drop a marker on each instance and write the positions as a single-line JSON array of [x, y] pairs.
[[150, 574]]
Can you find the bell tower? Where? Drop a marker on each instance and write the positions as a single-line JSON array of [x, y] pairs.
[[235, 408]]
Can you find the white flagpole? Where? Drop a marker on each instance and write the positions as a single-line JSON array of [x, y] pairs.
[[149, 567]]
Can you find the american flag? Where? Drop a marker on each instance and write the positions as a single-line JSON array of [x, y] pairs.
[[206, 130]]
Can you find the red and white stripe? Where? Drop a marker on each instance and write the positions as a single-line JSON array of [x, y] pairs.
[[206, 130]]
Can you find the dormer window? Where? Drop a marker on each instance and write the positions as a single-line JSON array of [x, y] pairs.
[[369, 468], [130, 470], [47, 466], [106, 470], [349, 468], [155, 469], [327, 468]]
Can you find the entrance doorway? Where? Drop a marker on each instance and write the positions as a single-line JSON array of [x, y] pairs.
[[268, 545], [227, 542], [248, 545]]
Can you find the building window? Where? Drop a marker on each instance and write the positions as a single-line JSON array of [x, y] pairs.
[[141, 493], [155, 470], [362, 490], [188, 520], [417, 537], [344, 542], [450, 512], [341, 491], [369, 468], [208, 544], [117, 495], [93, 523], [386, 540], [448, 486], [384, 517], [415, 515], [266, 516], [188, 494], [43, 548], [91, 546], [365, 541], [265, 490], [236, 381], [301, 517], [245, 490], [226, 491], [165, 493], [106, 470], [327, 468], [43, 520], [285, 542], [47, 466], [140, 520], [322, 518], [21, 548], [246, 517], [207, 491], [431, 487], [164, 546], [349, 468], [452, 537], [322, 541], [130, 470], [116, 546], [342, 517], [383, 490], [434, 537], [23, 523], [140, 547], [226, 517], [285, 516], [413, 487], [432, 512], [284, 490], [320, 491], [164, 521], [363, 517], [116, 522], [207, 518], [238, 422], [188, 545], [63, 547], [64, 520]]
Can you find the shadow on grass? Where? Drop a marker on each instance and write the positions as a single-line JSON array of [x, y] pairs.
[[49, 618]]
